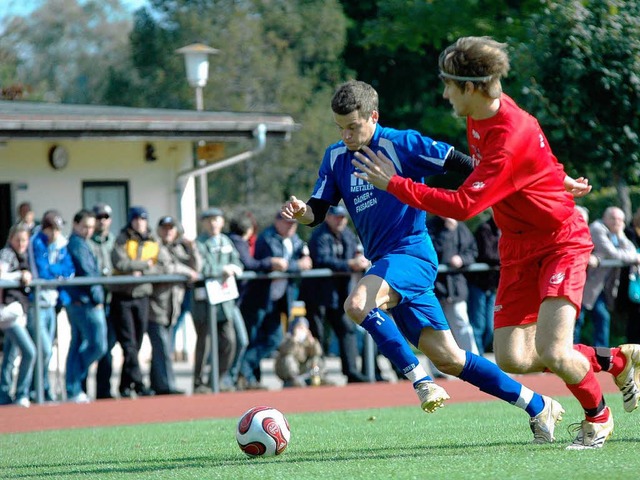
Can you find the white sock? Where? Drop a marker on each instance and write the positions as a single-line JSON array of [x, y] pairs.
[[417, 374]]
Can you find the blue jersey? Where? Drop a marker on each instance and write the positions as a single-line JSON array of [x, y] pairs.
[[383, 222]]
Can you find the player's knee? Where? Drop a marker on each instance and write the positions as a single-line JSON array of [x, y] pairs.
[[449, 361], [355, 310], [511, 364], [556, 360]]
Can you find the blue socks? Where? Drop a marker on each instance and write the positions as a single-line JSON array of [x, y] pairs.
[[490, 379], [393, 345], [477, 370]]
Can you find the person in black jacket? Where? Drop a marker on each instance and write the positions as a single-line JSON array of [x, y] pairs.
[[456, 247], [136, 252], [266, 301], [334, 246], [241, 230], [483, 285]]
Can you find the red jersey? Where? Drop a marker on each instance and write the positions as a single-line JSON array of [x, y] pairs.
[[515, 173]]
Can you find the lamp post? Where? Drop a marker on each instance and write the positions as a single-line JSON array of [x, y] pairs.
[[196, 61]]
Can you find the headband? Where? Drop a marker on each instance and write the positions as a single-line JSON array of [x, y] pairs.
[[465, 79]]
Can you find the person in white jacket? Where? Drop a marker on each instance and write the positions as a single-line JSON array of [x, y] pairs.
[[601, 287]]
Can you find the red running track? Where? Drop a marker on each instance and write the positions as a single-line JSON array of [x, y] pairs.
[[175, 408]]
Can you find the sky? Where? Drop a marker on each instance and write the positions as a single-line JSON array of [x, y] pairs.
[[21, 7]]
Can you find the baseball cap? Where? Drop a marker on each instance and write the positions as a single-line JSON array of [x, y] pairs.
[[167, 220], [138, 212], [337, 210], [298, 321], [101, 209], [52, 218], [211, 212]]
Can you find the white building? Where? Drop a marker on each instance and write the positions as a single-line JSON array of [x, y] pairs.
[[73, 156]]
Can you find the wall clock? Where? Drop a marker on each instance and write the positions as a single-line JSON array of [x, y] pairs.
[[58, 157]]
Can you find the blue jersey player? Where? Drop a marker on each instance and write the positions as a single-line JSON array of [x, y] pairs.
[[396, 296]]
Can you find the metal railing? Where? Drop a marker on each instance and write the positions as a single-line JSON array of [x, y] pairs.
[[368, 357]]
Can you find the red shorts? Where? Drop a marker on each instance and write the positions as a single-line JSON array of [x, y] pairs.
[[535, 266]]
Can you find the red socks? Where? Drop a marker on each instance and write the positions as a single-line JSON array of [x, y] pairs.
[[589, 394], [603, 359]]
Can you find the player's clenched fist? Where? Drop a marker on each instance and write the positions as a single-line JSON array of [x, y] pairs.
[[297, 209]]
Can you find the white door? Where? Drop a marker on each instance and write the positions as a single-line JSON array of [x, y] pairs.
[[115, 194]]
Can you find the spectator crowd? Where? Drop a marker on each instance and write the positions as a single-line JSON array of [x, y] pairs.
[[254, 318]]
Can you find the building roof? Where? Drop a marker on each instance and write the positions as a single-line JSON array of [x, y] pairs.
[[31, 120]]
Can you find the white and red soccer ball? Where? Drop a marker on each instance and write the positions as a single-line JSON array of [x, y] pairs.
[[263, 432]]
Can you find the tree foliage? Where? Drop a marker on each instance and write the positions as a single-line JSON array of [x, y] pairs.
[[575, 66], [584, 65], [63, 48], [269, 60], [394, 45]]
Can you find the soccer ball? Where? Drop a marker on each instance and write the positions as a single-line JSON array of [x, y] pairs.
[[263, 432]]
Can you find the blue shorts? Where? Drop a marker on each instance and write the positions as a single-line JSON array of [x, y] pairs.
[[411, 271]]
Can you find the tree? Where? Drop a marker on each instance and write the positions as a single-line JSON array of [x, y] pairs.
[[65, 47], [583, 63], [394, 45], [269, 60]]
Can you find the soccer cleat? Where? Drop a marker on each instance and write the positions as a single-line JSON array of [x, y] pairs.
[[591, 435], [543, 424], [629, 379], [431, 396]]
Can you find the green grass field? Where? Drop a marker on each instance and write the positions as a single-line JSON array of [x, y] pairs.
[[462, 441]]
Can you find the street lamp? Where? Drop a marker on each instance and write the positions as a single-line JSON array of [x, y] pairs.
[[196, 62]]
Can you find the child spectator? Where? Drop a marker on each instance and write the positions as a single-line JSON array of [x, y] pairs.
[[299, 358]]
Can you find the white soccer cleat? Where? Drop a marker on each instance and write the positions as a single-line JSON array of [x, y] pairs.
[[592, 435], [431, 396], [629, 379], [543, 424]]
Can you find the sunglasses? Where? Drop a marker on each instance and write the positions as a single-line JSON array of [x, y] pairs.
[[103, 217]]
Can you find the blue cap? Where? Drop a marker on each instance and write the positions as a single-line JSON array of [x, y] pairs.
[[338, 210], [298, 321], [137, 212]]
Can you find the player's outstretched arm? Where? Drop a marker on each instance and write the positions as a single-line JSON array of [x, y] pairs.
[[298, 210], [375, 168], [578, 187]]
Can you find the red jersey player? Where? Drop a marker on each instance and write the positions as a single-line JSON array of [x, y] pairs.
[[545, 244]]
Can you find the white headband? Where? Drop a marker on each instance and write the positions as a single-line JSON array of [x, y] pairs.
[[465, 79]]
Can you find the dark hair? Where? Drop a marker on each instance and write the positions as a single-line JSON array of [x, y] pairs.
[[240, 225], [52, 219], [82, 214], [355, 95]]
